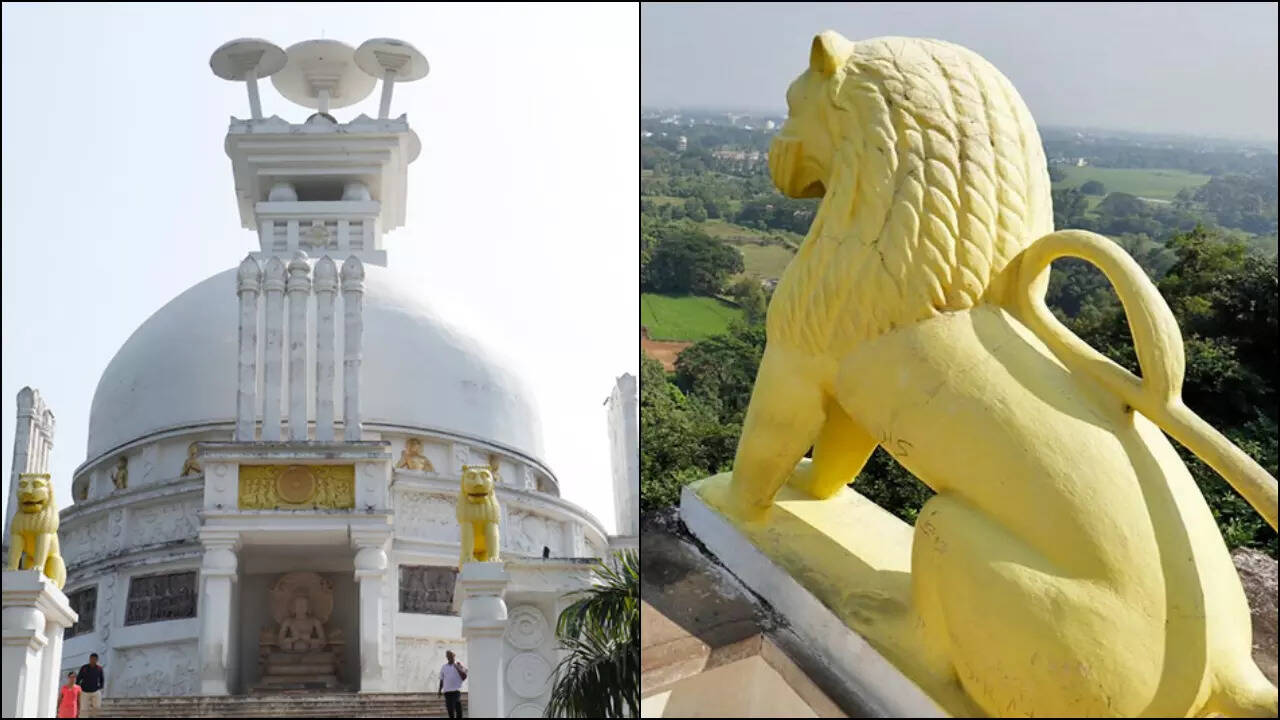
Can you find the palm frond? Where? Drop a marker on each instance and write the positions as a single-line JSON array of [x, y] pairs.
[[600, 630]]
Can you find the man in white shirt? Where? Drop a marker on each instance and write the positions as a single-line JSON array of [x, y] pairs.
[[451, 677]]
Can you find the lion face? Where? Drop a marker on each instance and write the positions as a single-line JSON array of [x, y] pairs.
[[802, 154], [477, 483], [33, 492]]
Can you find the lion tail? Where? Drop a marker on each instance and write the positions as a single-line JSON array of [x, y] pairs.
[[1158, 343]]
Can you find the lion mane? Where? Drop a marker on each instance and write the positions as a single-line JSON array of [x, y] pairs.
[[938, 181], [27, 528]]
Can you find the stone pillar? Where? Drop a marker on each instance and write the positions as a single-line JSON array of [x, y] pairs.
[[371, 573], [299, 288], [35, 615], [479, 591], [274, 285], [217, 581], [326, 286], [32, 445], [624, 438], [249, 285], [353, 324], [22, 440]]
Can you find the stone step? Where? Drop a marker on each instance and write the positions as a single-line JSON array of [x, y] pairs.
[[282, 704], [296, 658]]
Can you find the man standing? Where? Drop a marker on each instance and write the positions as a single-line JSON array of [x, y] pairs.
[[90, 681], [451, 677]]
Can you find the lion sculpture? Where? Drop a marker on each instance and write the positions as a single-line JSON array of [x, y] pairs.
[[1066, 532], [33, 539], [478, 515]]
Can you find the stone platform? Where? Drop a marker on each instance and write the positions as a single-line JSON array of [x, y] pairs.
[[303, 704], [314, 670], [840, 571]]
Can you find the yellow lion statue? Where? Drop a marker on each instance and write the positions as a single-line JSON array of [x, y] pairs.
[[33, 540], [1068, 564], [478, 515]]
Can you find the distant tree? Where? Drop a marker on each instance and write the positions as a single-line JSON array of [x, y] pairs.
[[686, 260], [1093, 187], [1056, 174], [1069, 206], [695, 210], [1119, 204], [749, 295]]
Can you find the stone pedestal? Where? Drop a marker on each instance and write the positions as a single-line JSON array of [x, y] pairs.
[[478, 595], [35, 615]]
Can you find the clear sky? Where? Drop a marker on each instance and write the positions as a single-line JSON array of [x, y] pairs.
[[118, 196], [1196, 68]]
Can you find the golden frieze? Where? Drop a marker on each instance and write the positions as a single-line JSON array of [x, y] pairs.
[[297, 487]]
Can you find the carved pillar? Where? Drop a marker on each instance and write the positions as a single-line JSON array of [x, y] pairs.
[[484, 622], [22, 442], [249, 285], [353, 322], [274, 285], [326, 286], [217, 581], [371, 574], [299, 288], [35, 616]]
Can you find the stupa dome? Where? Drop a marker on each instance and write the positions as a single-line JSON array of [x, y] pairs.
[[178, 370]]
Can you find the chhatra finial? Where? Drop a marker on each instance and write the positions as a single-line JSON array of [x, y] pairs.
[[393, 61], [248, 59], [321, 74]]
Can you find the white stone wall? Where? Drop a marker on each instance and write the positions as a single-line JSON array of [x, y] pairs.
[[151, 527]]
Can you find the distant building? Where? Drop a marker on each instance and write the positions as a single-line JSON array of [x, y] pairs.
[[1081, 162], [682, 144], [769, 125]]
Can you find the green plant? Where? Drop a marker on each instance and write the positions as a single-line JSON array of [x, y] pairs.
[[600, 676]]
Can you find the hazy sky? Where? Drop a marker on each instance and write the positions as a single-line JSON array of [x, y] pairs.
[[522, 213], [1195, 68]]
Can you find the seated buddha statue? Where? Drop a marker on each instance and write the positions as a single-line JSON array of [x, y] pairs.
[[301, 631]]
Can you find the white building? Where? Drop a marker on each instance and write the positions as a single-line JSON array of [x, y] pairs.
[[261, 423]]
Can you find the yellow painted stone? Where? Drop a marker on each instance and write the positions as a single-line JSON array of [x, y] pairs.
[[296, 487], [1068, 565]]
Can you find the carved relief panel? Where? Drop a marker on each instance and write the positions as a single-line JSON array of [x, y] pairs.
[[153, 598], [296, 487], [425, 516], [427, 589], [418, 662], [157, 670]]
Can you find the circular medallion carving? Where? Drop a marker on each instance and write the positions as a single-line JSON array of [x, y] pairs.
[[220, 470], [527, 674], [296, 485], [526, 627], [526, 710]]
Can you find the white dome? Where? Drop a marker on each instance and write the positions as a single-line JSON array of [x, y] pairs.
[[179, 369]]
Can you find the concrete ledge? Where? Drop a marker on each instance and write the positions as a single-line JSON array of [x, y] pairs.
[[877, 681]]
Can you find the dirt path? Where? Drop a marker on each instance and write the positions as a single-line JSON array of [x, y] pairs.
[[664, 351]]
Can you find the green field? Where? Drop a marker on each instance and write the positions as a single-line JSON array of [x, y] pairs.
[[1155, 184], [689, 317], [765, 261]]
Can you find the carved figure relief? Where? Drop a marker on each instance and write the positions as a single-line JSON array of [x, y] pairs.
[[478, 514], [913, 318], [293, 487], [166, 596], [418, 661], [120, 476], [33, 534], [411, 458], [426, 516], [427, 589], [192, 465], [301, 605], [156, 670]]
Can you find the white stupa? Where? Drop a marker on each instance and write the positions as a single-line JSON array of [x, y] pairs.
[[298, 424]]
